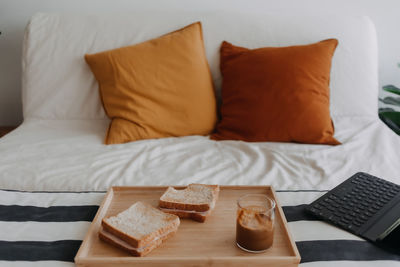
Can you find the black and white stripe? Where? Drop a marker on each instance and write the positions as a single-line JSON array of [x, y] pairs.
[[17, 213], [47, 228]]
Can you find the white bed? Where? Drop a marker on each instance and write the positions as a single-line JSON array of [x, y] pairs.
[[59, 146]]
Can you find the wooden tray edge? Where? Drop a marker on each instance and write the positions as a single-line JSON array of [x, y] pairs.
[[189, 259], [80, 255], [286, 229]]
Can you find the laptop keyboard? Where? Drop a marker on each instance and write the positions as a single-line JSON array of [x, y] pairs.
[[354, 204]]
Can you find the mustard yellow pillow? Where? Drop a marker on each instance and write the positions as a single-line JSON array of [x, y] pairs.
[[158, 88]]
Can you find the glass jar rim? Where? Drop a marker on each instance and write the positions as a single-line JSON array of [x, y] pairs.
[[265, 197]]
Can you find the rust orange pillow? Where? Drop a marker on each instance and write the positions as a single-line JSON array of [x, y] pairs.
[[277, 94], [159, 88]]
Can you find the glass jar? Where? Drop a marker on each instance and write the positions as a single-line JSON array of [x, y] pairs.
[[255, 222]]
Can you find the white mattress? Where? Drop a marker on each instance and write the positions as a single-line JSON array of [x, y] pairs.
[[69, 155]]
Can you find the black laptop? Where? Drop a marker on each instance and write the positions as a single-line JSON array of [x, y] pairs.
[[364, 205]]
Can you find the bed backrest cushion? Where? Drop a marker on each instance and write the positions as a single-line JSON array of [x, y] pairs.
[[58, 84]]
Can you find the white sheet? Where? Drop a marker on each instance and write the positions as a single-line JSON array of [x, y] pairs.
[[69, 155]]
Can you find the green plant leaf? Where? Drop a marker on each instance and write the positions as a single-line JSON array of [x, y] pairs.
[[391, 88], [381, 110], [391, 100], [391, 119]]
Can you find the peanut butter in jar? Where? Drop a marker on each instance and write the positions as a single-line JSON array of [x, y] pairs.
[[255, 223]]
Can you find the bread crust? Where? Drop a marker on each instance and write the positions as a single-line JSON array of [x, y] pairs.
[[136, 243], [103, 235], [189, 215], [201, 207]]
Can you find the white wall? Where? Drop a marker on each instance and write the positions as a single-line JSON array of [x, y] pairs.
[[14, 15]]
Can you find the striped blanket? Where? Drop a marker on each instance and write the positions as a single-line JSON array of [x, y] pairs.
[[47, 228]]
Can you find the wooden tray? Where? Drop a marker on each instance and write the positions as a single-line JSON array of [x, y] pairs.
[[211, 243]]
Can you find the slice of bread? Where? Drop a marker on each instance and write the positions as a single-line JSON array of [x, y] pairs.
[[196, 201], [138, 252], [195, 197], [140, 224]]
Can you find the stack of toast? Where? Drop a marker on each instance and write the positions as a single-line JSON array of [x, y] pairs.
[[142, 227], [195, 201], [139, 229]]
